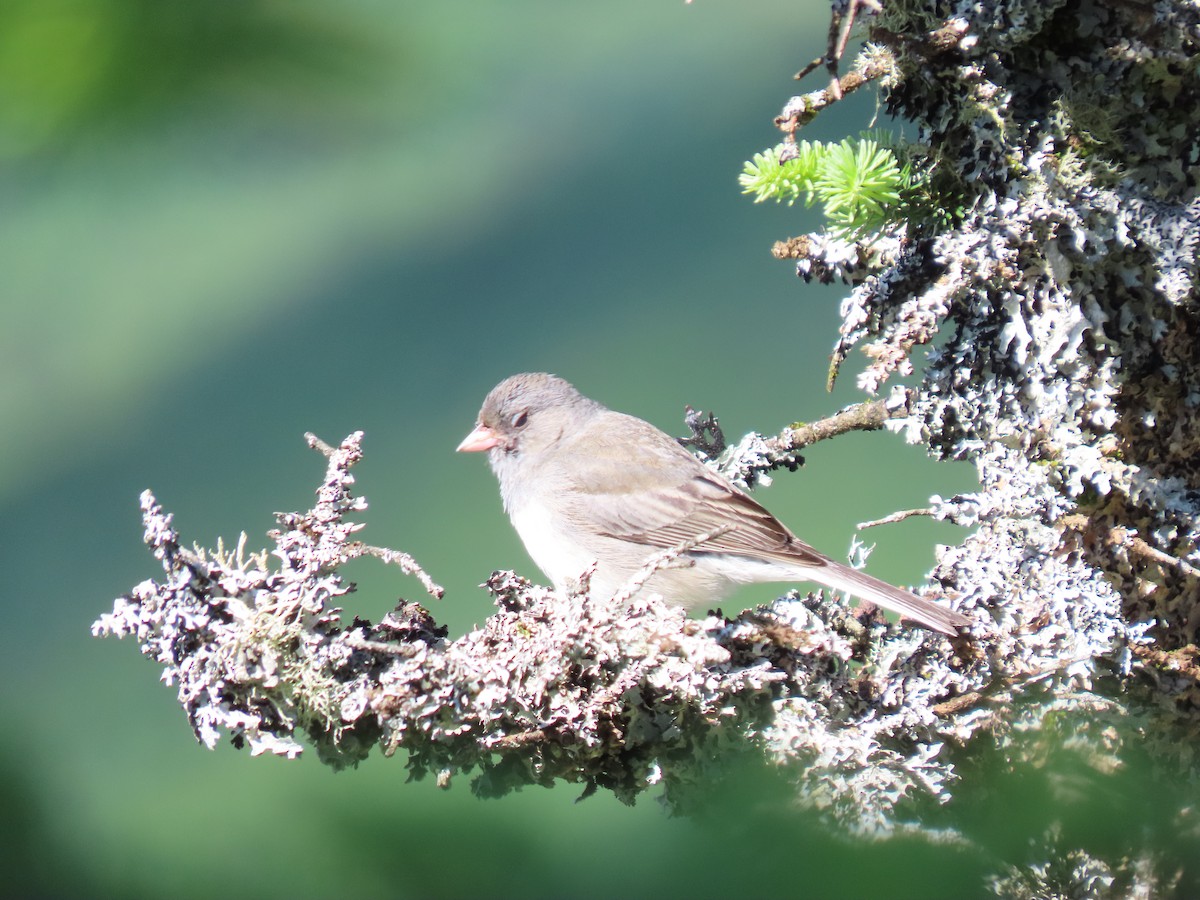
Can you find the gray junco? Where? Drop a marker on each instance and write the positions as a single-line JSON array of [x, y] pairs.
[[584, 484]]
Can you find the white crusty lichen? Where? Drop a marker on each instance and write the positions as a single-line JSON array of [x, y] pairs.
[[622, 693], [1071, 873], [1062, 311], [1065, 310]]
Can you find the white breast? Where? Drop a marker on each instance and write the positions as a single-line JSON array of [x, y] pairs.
[[551, 546]]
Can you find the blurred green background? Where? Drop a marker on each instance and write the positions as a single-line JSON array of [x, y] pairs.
[[228, 223]]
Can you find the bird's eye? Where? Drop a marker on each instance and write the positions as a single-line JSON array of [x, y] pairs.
[[519, 420]]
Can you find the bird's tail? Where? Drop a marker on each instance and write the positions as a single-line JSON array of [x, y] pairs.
[[908, 605]]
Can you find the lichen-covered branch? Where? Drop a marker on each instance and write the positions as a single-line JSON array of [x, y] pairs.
[[1066, 298], [1063, 300], [803, 109], [618, 693], [867, 416], [752, 460]]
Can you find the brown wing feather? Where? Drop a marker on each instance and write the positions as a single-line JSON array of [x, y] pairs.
[[652, 491], [756, 532]]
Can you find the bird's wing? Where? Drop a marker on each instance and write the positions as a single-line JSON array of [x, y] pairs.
[[651, 491], [648, 490]]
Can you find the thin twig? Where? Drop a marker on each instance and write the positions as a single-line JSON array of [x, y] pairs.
[[840, 26], [957, 704], [1116, 536], [851, 16], [832, 57], [867, 416], [666, 559], [513, 741], [838, 48], [358, 642], [317, 444], [406, 563], [897, 517], [809, 69], [801, 110]]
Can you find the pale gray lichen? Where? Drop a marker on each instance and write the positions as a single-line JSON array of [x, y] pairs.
[[1065, 311], [1064, 304], [1074, 874], [621, 693]]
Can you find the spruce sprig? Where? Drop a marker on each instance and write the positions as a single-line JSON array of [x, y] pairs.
[[864, 185]]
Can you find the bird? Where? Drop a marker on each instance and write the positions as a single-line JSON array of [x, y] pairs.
[[587, 486]]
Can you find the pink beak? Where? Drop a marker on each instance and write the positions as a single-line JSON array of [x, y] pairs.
[[482, 438]]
